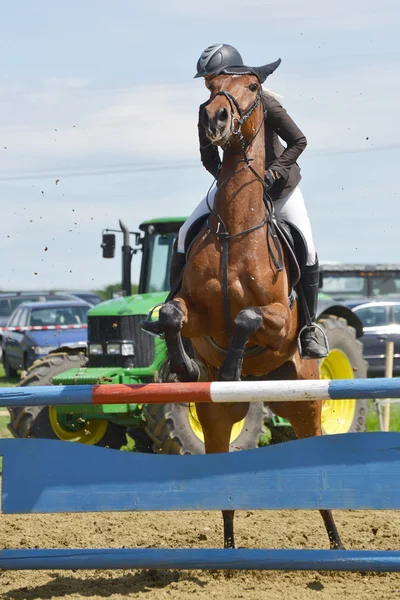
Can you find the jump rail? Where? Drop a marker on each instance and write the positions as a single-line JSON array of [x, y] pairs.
[[239, 391]]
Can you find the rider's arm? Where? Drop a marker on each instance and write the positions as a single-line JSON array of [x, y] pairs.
[[286, 128], [208, 152]]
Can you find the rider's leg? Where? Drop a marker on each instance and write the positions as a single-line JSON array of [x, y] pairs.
[[292, 209], [178, 258], [200, 210]]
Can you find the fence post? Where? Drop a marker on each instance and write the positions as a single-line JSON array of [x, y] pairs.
[[388, 373]]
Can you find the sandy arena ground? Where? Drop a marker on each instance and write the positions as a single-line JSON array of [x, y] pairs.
[[369, 530]]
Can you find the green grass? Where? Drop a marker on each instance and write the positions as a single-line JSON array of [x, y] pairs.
[[372, 419], [4, 418], [7, 381], [3, 427]]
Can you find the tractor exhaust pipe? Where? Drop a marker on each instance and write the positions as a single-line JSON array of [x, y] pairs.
[[126, 261]]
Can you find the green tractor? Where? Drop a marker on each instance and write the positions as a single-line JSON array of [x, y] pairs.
[[118, 351]]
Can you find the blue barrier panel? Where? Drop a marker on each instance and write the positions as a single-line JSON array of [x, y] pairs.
[[348, 471]]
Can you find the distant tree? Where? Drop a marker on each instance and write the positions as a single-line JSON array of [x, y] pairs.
[[114, 289]]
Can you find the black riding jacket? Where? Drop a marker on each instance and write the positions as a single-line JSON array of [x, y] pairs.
[[282, 160]]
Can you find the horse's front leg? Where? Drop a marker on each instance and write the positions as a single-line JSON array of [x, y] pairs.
[[272, 321], [217, 421], [248, 321], [171, 319]]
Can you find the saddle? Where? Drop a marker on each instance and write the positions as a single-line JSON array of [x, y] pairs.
[[292, 240]]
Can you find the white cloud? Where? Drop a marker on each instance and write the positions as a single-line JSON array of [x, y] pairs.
[[73, 124], [289, 14]]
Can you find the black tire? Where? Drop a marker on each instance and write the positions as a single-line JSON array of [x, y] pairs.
[[9, 370], [341, 336], [34, 421], [142, 441], [169, 427]]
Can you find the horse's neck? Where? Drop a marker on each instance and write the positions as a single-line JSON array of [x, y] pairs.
[[239, 199]]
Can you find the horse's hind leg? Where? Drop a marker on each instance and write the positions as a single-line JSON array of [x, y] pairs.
[[171, 320], [303, 429], [305, 418], [248, 321]]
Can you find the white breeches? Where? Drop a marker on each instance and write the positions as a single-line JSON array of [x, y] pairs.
[[291, 208]]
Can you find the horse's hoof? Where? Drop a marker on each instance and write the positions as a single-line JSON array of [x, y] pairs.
[[152, 328]]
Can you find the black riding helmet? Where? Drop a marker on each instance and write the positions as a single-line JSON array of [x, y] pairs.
[[222, 58]]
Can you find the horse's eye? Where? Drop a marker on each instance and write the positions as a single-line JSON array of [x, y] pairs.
[[253, 87], [211, 88]]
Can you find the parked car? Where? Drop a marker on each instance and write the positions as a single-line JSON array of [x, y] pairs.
[[36, 328], [381, 323], [9, 301], [92, 297]]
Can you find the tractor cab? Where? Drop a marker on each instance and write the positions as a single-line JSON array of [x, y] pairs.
[[155, 239], [158, 240], [339, 281]]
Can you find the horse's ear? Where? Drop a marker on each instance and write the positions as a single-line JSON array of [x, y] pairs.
[[263, 72]]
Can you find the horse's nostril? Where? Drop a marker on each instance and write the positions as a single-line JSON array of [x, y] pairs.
[[222, 115]]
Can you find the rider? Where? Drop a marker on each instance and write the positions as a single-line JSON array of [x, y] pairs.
[[282, 176]]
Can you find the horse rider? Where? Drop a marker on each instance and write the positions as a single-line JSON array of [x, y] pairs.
[[282, 177]]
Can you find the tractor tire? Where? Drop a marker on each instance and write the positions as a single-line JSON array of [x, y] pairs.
[[174, 428], [36, 422], [344, 361]]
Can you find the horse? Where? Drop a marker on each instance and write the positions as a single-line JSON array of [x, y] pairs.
[[235, 302]]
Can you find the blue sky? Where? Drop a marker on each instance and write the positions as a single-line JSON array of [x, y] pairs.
[[93, 93]]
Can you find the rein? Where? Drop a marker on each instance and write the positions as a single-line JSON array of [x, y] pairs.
[[224, 235]]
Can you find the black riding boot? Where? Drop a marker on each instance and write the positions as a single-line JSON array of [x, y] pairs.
[[178, 262], [312, 341]]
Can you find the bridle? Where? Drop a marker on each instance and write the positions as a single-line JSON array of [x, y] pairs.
[[243, 115], [221, 231]]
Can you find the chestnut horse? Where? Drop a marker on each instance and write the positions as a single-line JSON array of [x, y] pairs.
[[235, 288]]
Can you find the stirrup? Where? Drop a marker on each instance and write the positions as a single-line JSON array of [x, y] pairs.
[[151, 327], [321, 330]]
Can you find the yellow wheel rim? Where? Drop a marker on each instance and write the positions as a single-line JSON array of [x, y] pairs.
[[198, 430], [337, 415], [90, 432]]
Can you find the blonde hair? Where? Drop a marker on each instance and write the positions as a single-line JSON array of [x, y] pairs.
[[272, 94]]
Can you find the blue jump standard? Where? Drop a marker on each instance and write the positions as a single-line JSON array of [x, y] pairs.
[[186, 558]]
